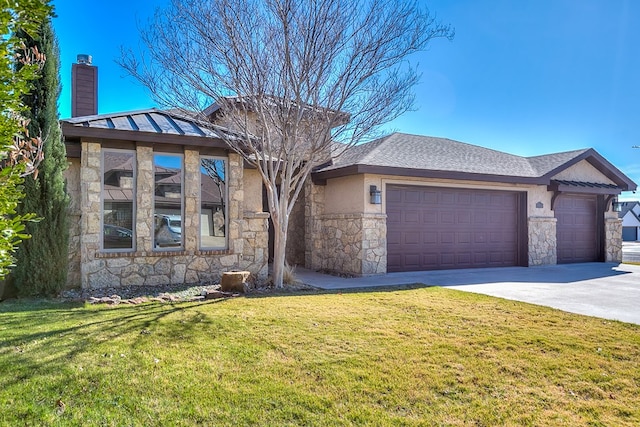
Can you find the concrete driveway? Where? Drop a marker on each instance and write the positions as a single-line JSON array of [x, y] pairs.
[[631, 251], [609, 291]]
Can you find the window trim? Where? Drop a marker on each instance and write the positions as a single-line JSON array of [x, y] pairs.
[[201, 247], [180, 248], [134, 209]]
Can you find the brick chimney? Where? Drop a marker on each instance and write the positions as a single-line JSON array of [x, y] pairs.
[[84, 87]]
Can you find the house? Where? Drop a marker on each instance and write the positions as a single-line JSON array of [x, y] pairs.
[[158, 198], [630, 215]]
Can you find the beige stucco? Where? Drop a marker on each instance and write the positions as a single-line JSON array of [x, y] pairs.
[[583, 171], [252, 183], [345, 195]]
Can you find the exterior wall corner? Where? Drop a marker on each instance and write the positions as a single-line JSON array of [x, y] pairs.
[[613, 240], [542, 241]]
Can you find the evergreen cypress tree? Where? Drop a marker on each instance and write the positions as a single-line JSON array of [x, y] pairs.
[[42, 261]]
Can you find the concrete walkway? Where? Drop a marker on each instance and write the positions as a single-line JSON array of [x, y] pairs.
[[609, 291]]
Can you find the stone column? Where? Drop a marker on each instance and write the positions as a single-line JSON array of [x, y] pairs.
[[542, 241], [613, 240], [313, 210], [144, 198], [256, 244], [374, 244], [191, 192], [91, 202], [72, 177]]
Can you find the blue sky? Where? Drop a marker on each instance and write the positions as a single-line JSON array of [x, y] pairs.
[[527, 77]]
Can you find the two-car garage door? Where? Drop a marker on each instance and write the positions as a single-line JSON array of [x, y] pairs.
[[432, 228]]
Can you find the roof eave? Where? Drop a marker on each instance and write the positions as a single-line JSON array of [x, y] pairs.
[[601, 164], [321, 177], [71, 131], [559, 187]]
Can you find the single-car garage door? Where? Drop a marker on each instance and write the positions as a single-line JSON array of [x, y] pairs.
[[629, 234], [432, 228], [577, 228]]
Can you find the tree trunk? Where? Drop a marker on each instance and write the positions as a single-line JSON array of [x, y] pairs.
[[279, 251]]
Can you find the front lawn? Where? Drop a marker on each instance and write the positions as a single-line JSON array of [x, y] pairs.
[[418, 356]]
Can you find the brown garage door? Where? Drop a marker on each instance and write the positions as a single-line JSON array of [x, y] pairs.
[[431, 228], [577, 228]]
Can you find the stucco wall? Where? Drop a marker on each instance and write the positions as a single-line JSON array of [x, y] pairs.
[[252, 183], [344, 195], [583, 171]]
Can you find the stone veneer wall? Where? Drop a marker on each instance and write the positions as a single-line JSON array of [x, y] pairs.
[[72, 178], [346, 243], [313, 209], [353, 243], [542, 241], [613, 240], [296, 235], [247, 231]]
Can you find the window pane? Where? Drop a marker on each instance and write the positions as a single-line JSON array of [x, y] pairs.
[[117, 199], [213, 194], [167, 201]]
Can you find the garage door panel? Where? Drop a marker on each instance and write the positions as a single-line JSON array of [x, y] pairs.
[[463, 218], [576, 228], [412, 197], [447, 198], [458, 228], [447, 259], [447, 237], [447, 218], [430, 197], [465, 199], [430, 217], [411, 217], [464, 238], [411, 238], [430, 237]]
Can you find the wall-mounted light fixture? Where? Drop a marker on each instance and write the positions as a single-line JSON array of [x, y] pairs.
[[376, 195], [616, 206]]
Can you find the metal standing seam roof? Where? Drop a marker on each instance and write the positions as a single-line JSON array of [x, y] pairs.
[[150, 120]]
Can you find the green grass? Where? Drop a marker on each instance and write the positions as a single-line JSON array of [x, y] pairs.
[[416, 356]]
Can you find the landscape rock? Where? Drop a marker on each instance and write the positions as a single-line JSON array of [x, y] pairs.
[[234, 281]]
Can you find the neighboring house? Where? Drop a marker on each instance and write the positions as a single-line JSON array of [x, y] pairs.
[[630, 215], [403, 202]]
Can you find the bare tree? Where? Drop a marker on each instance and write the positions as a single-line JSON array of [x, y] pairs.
[[297, 80]]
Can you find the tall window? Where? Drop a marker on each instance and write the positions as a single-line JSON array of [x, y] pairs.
[[168, 207], [213, 203], [118, 184]]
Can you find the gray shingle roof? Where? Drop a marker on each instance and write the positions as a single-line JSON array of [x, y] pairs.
[[548, 162], [626, 207], [400, 150], [438, 154]]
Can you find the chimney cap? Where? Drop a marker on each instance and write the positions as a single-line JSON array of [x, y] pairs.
[[83, 58]]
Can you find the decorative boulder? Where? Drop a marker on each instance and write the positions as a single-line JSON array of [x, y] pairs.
[[234, 281]]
